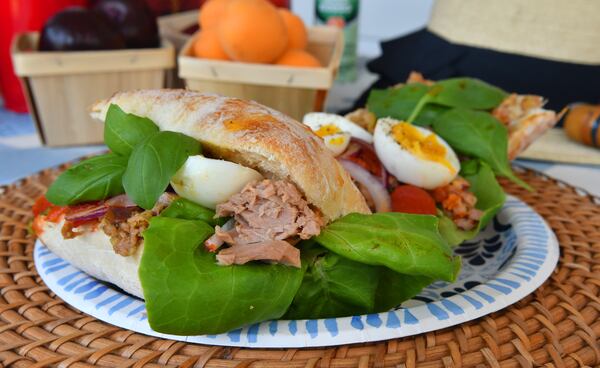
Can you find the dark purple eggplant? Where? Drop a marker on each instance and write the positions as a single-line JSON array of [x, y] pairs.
[[78, 29], [134, 19]]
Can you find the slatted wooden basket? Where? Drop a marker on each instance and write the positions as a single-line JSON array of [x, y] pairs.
[[294, 91], [60, 86]]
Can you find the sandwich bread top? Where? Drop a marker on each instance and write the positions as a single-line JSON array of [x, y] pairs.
[[252, 135]]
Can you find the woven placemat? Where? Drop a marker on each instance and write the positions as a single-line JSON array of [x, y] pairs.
[[557, 326]]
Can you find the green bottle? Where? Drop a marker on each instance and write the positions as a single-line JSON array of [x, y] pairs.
[[343, 14]]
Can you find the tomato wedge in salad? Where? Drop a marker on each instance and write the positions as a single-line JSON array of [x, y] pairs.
[[411, 199]]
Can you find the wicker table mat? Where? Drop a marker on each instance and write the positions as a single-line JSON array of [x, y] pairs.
[[557, 326]]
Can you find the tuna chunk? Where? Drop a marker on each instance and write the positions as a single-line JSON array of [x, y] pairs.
[[268, 215]]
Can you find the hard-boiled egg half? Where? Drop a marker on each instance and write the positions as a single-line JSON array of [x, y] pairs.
[[335, 130], [209, 182], [414, 155]]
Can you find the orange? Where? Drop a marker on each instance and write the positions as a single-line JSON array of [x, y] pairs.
[[252, 31], [207, 45], [211, 13], [297, 36], [298, 58]]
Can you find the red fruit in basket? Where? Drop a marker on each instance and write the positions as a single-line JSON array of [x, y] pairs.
[[411, 199], [211, 13], [133, 19], [207, 45], [298, 58], [252, 31], [78, 29], [297, 36]]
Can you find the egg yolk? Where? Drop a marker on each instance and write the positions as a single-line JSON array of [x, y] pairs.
[[329, 129], [337, 141], [423, 146]]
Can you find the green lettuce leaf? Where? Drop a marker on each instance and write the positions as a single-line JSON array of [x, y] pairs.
[[490, 199], [334, 286], [406, 243], [468, 93], [182, 208], [187, 293]]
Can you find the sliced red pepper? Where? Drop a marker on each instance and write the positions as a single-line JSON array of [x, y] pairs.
[[410, 199], [40, 206]]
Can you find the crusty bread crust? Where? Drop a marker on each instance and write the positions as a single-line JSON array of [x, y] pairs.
[[250, 134]]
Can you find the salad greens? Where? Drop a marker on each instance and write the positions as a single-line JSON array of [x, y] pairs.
[[405, 243], [478, 134], [122, 131], [93, 179], [187, 293], [336, 286], [152, 164], [467, 93], [185, 209], [490, 198]]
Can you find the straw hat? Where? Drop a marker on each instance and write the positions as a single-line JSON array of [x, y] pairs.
[[561, 30]]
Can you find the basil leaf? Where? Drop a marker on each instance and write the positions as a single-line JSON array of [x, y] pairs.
[[334, 286], [152, 164], [187, 293], [122, 131], [490, 199], [399, 103], [478, 134], [406, 243], [467, 93], [182, 208], [94, 179]]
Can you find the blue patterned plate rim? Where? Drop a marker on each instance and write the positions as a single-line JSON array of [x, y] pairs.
[[511, 258]]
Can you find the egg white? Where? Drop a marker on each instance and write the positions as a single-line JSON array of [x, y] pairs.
[[337, 143], [315, 120], [209, 182], [407, 167]]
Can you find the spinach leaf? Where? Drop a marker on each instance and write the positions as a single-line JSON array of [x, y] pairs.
[[399, 103], [187, 293], [334, 286], [467, 93], [152, 164], [406, 243], [122, 131], [478, 134], [490, 199], [182, 208], [94, 179]]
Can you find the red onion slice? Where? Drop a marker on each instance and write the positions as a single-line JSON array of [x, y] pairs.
[[121, 200], [87, 213], [364, 152], [378, 191]]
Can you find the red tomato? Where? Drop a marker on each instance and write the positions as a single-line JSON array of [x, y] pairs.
[[411, 199], [56, 213], [40, 205]]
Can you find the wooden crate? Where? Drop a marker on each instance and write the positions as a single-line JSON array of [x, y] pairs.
[[292, 90], [60, 86]]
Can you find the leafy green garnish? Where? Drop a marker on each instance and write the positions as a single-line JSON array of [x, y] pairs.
[[187, 293], [334, 286], [94, 179], [399, 103], [122, 131], [152, 164], [480, 135], [185, 209], [467, 93], [490, 199], [406, 243]]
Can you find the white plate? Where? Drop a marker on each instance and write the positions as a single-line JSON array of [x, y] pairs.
[[513, 256]]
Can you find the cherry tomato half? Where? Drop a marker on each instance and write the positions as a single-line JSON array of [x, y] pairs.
[[411, 199]]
